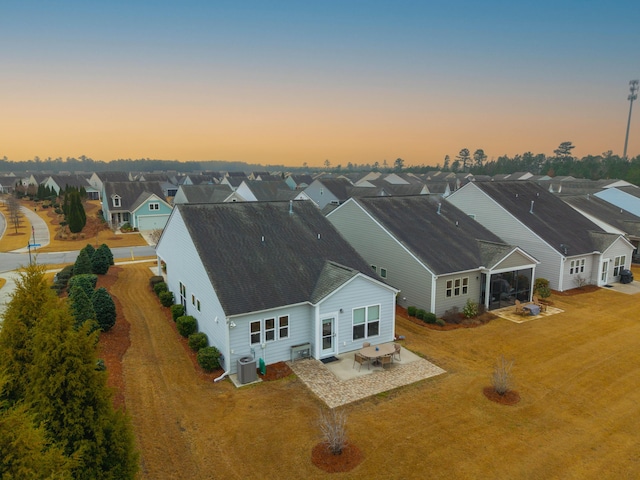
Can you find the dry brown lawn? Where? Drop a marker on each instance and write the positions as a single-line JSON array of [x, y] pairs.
[[577, 374], [12, 239], [95, 232]]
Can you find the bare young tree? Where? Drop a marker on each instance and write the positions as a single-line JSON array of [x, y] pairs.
[[15, 215], [333, 425], [580, 281], [501, 379]]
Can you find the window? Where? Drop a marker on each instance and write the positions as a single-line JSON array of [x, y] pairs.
[[576, 266], [374, 268], [183, 295], [256, 332], [618, 265], [457, 287], [116, 201], [366, 322], [198, 305], [283, 326], [269, 329], [193, 299], [154, 206], [383, 272]]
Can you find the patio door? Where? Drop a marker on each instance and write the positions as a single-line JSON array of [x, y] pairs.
[[328, 337], [604, 272]]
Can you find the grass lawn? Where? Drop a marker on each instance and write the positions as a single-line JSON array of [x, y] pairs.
[[577, 374]]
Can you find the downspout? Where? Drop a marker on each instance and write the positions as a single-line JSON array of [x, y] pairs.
[[226, 372], [434, 289]]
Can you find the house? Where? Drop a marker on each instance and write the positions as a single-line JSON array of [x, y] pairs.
[[98, 178], [263, 191], [263, 277], [572, 250], [325, 191], [59, 183], [434, 253], [608, 217], [141, 204], [298, 181], [168, 183], [203, 193], [625, 197]]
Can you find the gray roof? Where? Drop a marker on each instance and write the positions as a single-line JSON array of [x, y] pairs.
[[553, 220], [339, 187], [635, 191], [259, 256], [76, 181], [271, 190], [113, 176], [130, 193], [446, 242], [606, 212], [206, 193]]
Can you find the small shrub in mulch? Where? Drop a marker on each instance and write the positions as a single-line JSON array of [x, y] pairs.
[[276, 371], [349, 459], [509, 398]]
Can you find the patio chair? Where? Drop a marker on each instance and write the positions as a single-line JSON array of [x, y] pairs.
[[385, 360], [366, 344], [398, 349], [360, 359], [519, 309], [540, 303]]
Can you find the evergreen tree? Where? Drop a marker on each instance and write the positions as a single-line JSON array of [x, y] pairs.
[[105, 309], [70, 398], [82, 308], [101, 261], [90, 250], [108, 252], [76, 217], [86, 281], [31, 299], [83, 263]]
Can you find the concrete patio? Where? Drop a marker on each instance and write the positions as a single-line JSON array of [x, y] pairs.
[[341, 382]]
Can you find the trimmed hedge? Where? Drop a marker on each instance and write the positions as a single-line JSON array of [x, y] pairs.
[[177, 310], [166, 299], [156, 279], [209, 358], [429, 317], [412, 311], [186, 325], [198, 341], [160, 287]]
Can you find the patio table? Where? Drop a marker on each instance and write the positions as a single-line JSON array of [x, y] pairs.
[[375, 351], [533, 308]]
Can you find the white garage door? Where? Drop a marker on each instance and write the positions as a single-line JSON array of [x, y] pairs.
[[152, 222]]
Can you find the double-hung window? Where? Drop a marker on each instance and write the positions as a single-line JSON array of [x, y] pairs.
[[618, 265], [366, 322], [283, 326], [256, 332], [576, 266], [269, 329]]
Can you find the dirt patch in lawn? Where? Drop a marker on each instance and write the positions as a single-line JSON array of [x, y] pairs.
[[509, 398]]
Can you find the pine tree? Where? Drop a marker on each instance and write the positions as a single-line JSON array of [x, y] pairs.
[[107, 251], [76, 217], [100, 262], [90, 250], [86, 281], [70, 398], [83, 263], [82, 308], [31, 299], [105, 309]]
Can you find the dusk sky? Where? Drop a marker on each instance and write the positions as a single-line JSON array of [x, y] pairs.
[[275, 82]]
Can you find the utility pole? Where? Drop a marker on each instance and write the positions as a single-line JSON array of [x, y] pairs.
[[633, 88]]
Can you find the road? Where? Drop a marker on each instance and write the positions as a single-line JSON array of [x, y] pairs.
[[13, 261]]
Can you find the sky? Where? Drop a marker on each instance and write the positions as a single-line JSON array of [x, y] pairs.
[[295, 82]]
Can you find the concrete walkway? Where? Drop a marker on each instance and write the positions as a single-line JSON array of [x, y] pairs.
[[39, 232], [339, 383]]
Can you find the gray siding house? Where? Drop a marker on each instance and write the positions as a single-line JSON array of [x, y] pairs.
[[434, 253], [264, 277], [571, 249]]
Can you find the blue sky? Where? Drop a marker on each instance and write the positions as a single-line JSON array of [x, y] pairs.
[[293, 82]]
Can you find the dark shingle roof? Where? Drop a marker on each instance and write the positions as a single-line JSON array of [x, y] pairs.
[[270, 190], [606, 212], [339, 187], [129, 192], [553, 220], [206, 193], [289, 266], [113, 176], [446, 242]]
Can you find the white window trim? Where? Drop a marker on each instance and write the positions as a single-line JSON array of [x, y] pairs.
[[252, 333], [619, 264], [287, 327], [456, 287], [366, 322], [154, 206], [116, 201], [576, 266], [273, 329]]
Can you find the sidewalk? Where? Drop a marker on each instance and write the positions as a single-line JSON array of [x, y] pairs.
[[39, 230]]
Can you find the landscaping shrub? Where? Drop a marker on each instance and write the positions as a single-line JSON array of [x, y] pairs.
[[452, 315], [100, 262], [412, 311], [541, 287], [440, 322], [166, 299], [209, 358], [109, 254], [105, 309], [186, 325], [420, 313], [156, 279], [87, 281], [429, 317], [198, 341], [177, 310], [470, 309], [82, 264], [160, 287]]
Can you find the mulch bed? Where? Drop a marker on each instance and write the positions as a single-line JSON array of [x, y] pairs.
[[576, 291], [510, 398], [276, 371], [350, 458], [478, 321]]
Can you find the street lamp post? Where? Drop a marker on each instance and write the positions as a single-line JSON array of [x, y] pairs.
[[633, 88]]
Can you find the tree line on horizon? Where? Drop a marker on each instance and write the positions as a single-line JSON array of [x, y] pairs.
[[561, 163]]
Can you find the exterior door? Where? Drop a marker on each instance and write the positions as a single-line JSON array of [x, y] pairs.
[[328, 336], [604, 272]]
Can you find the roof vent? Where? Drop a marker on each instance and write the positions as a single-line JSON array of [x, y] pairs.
[[290, 207], [516, 195], [564, 248], [456, 223], [318, 236], [262, 239], [531, 209], [439, 205]]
